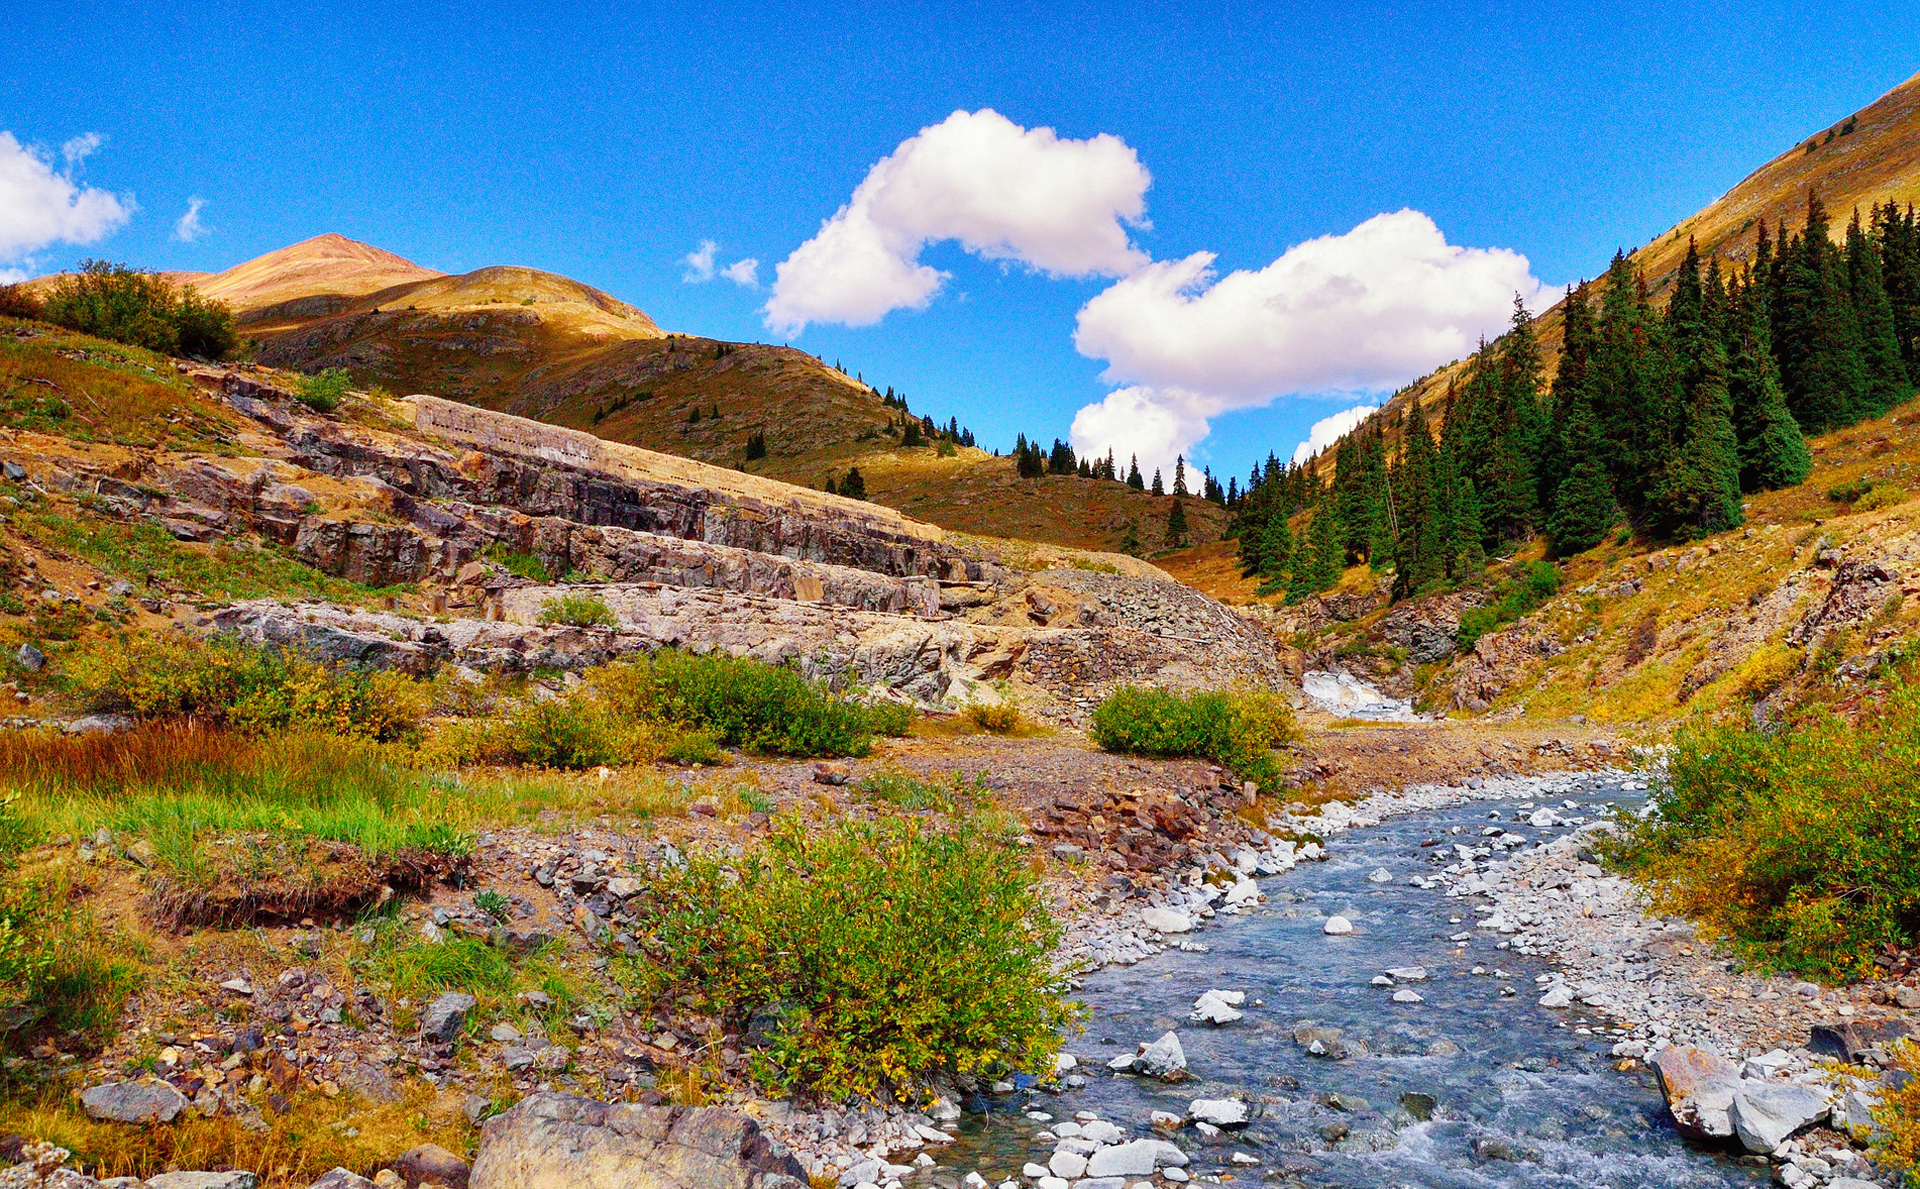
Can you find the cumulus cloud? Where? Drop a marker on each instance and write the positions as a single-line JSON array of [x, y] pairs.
[[79, 148], [189, 227], [1153, 425], [1362, 312], [1003, 192], [1328, 430], [699, 263], [41, 206], [745, 273]]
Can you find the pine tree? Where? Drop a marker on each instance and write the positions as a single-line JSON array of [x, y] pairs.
[[1176, 525], [1158, 488], [1583, 504], [1466, 556], [1699, 493], [1886, 372], [1773, 453], [1180, 475], [1816, 337], [853, 486], [1899, 241], [1276, 547], [1329, 554], [1133, 475]]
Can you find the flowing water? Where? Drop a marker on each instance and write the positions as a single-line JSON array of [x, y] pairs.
[[1521, 1097]]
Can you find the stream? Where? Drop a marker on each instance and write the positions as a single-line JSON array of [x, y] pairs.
[[1521, 1095]]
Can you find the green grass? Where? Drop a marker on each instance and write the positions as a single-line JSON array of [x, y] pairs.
[[144, 554], [904, 790], [742, 702], [522, 565], [578, 611]]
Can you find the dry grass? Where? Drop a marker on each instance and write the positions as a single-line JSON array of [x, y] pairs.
[[111, 393], [317, 1133]]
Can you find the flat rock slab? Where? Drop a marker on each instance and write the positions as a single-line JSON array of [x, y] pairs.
[[203, 1180], [559, 1141], [133, 1102]]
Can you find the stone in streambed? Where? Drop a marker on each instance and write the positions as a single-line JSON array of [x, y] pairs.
[[1765, 1114], [1220, 1112], [1166, 920], [1699, 1087], [1163, 1060], [1337, 926], [1139, 1158]]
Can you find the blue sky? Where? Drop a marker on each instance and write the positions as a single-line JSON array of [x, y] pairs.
[[607, 146]]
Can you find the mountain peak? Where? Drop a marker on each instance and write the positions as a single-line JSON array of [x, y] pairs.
[[324, 264]]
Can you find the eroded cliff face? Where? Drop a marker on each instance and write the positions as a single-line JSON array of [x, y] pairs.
[[430, 495]]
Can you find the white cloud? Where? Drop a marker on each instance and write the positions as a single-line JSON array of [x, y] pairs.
[[1362, 312], [12, 276], [701, 267], [39, 206], [699, 263], [189, 227], [81, 147], [1328, 430], [1152, 424], [1002, 191]]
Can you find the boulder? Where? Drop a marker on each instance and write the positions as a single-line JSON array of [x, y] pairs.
[[1699, 1087], [1764, 1114], [1338, 926], [1138, 1158], [447, 1015], [203, 1180], [1852, 1039], [1221, 1112], [1164, 1060], [559, 1141], [431, 1164], [133, 1102], [1217, 1007], [1069, 1165], [1166, 920], [340, 1178]]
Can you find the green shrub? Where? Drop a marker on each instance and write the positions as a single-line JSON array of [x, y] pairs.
[[1531, 584], [761, 707], [1881, 495], [578, 611], [566, 733], [112, 301], [1802, 844], [1238, 730], [18, 301], [692, 747], [222, 680], [1851, 490], [889, 718], [866, 957], [324, 390]]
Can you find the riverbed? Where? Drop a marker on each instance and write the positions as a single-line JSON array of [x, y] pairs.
[[1463, 1082]]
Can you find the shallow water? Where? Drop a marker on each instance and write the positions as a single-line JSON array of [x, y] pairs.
[[1522, 1098]]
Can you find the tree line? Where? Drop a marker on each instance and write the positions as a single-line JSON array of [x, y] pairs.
[[1655, 422]]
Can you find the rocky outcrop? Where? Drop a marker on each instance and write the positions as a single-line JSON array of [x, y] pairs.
[[558, 1141]]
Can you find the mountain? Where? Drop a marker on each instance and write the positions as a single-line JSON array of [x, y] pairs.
[[540, 345]]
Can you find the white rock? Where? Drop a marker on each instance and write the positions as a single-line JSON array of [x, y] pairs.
[[1764, 1114], [1338, 926], [1766, 1065], [1163, 1059], [1062, 1062], [1558, 995], [1033, 1171], [1176, 1175], [1244, 891], [1244, 1159], [1380, 875], [1221, 1112], [932, 1135], [1102, 1132], [1138, 1158], [1053, 1183], [1070, 1165], [1407, 974], [1217, 1007], [1408, 997], [1166, 920]]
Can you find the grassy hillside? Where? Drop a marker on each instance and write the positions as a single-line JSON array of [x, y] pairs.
[[541, 345]]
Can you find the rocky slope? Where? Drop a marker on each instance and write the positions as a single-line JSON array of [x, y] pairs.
[[418, 494]]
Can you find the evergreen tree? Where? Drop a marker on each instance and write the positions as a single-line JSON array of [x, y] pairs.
[[1899, 241], [1133, 475], [1276, 548], [1466, 556], [1773, 453], [1816, 337], [853, 486], [1329, 553], [1583, 503], [1176, 525], [1130, 540], [1180, 475], [1158, 487], [1886, 372]]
